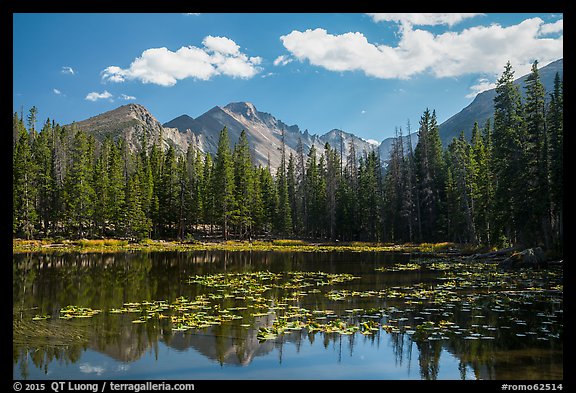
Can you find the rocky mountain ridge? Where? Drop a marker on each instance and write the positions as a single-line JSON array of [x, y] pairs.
[[266, 133]]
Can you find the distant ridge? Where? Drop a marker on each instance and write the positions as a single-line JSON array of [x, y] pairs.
[[482, 107], [265, 132]]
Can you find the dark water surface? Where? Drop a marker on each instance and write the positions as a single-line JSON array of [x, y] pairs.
[[215, 315]]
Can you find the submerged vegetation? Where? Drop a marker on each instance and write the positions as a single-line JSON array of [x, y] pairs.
[[275, 304]]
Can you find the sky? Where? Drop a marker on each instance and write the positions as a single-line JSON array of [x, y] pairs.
[[368, 74]]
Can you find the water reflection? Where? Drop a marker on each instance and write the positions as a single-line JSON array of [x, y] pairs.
[[502, 348]]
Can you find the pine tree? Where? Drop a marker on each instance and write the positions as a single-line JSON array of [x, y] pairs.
[[508, 161], [144, 170], [244, 193], [482, 182], [269, 199], [101, 185], [409, 197], [370, 197], [24, 191], [42, 152], [224, 184], [137, 224], [314, 193], [292, 186], [283, 221], [393, 186], [298, 212], [333, 171], [184, 196], [556, 169], [459, 190], [78, 191], [156, 163], [32, 114], [169, 195], [429, 168], [208, 198], [115, 203], [536, 161], [347, 198], [194, 170]]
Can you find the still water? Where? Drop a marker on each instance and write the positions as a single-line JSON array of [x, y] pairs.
[[279, 315]]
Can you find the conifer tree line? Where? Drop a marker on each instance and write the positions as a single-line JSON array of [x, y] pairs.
[[504, 186]]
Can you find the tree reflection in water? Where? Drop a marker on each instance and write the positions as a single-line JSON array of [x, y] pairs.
[[45, 283]]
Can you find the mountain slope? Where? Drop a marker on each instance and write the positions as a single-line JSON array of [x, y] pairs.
[[264, 132], [482, 107], [132, 122]]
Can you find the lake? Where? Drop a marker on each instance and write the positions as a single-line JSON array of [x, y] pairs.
[[282, 315]]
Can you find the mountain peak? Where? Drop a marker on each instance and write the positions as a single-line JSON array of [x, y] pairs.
[[246, 109]]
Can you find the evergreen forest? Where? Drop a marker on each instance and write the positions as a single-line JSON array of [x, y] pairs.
[[502, 187]]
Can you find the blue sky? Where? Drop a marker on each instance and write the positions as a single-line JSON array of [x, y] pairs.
[[363, 73]]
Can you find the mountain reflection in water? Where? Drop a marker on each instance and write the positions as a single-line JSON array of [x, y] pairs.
[[526, 341]]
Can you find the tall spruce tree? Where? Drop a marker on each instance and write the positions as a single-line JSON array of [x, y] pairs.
[[509, 138], [223, 181], [244, 192], [482, 182], [556, 147], [24, 191], [78, 191], [536, 161], [429, 166], [42, 152]]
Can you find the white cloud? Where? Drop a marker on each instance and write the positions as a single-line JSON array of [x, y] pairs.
[[555, 27], [56, 91], [94, 96], [87, 368], [126, 97], [480, 49], [221, 45], [482, 85], [422, 19], [363, 111], [161, 66], [191, 13], [67, 70], [282, 60], [113, 74]]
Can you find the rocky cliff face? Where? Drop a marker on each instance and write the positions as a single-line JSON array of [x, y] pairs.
[[265, 133]]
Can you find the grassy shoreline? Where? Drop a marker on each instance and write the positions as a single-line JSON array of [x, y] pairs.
[[117, 245]]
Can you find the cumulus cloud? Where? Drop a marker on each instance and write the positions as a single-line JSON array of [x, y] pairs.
[[479, 49], [87, 368], [56, 91], [482, 85], [161, 66], [67, 70], [555, 27], [95, 96], [282, 60], [126, 97], [221, 45], [423, 19]]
